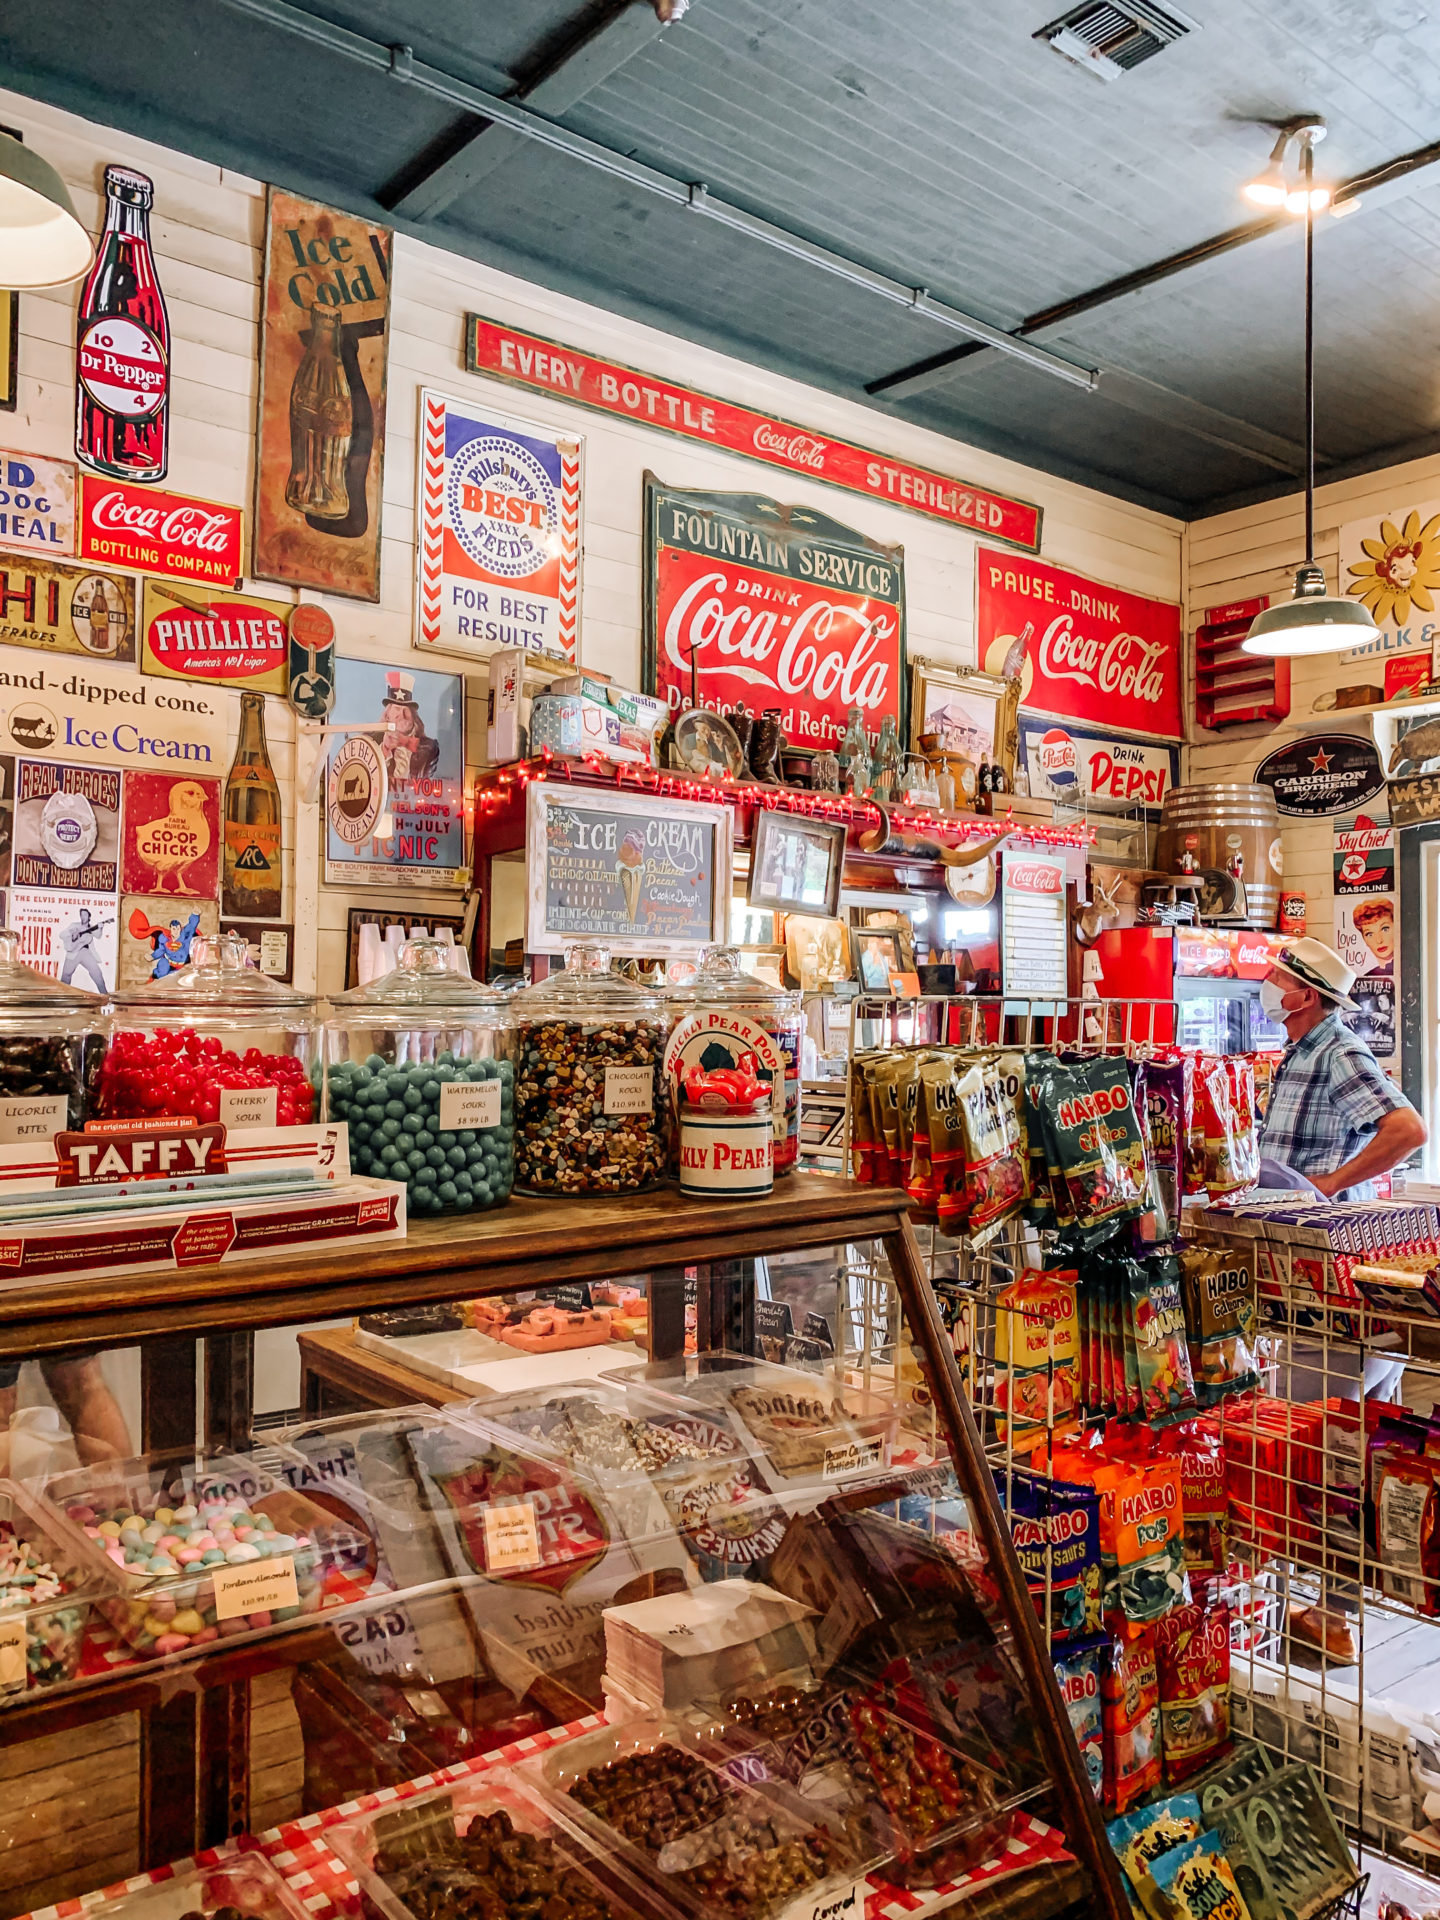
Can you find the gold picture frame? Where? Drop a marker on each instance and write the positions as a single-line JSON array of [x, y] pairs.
[[963, 706]]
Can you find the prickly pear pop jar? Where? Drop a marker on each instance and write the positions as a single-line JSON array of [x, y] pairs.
[[217, 1040], [726, 1011], [590, 1114], [52, 1042], [420, 1066]]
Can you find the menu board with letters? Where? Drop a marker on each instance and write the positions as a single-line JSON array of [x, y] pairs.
[[641, 874]]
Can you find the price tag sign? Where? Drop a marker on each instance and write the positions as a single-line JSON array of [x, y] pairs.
[[629, 1090], [840, 1903], [249, 1106], [23, 1120], [469, 1103], [856, 1456], [12, 1652], [255, 1586], [512, 1539]]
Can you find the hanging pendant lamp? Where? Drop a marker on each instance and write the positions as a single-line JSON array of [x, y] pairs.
[[42, 243], [1313, 620]]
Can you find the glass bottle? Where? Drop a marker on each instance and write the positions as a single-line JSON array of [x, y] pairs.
[[889, 758], [854, 755], [122, 342], [252, 822], [321, 422]]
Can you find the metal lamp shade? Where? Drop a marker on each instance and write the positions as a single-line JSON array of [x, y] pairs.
[[42, 243], [1313, 622]]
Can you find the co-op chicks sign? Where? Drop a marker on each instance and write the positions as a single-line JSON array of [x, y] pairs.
[[103, 716]]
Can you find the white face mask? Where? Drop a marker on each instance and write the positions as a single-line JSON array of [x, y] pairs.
[[1272, 1002]]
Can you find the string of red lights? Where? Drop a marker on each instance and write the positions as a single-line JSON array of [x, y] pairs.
[[855, 810]]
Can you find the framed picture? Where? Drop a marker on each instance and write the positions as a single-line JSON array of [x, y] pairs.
[[796, 864], [646, 876], [766, 963], [878, 955], [817, 951], [958, 704]]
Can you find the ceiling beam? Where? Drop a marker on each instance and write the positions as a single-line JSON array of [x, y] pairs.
[[425, 190], [921, 375], [691, 195]]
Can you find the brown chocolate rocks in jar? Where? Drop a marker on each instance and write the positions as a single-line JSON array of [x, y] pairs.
[[588, 1115]]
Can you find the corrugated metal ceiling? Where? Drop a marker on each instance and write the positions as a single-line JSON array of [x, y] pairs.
[[943, 145]]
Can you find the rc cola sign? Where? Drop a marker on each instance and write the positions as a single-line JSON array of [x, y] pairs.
[[751, 603]]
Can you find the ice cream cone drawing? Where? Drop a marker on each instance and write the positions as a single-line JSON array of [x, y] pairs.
[[631, 868]]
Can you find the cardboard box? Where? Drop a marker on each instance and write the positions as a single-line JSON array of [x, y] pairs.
[[573, 724]]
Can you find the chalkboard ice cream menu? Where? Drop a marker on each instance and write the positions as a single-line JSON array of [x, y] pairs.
[[643, 874]]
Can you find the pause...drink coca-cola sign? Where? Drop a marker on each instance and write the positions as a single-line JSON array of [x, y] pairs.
[[749, 603]]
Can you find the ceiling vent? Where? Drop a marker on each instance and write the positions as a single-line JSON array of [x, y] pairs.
[[1107, 37]]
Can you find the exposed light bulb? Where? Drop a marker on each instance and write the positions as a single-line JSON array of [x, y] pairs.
[[1269, 189], [1318, 197]]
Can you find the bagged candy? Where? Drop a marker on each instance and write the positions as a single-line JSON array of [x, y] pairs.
[[1059, 1524], [1160, 1100], [1048, 1205], [1198, 1882], [1220, 1317], [1203, 1501], [1167, 1391], [1192, 1651], [1036, 1340], [994, 1136], [1089, 1114], [866, 1146], [1130, 1714], [1149, 1833], [1078, 1675]]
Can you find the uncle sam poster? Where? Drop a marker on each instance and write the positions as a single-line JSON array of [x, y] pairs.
[[498, 557]]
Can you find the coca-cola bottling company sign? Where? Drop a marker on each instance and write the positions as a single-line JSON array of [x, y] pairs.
[[142, 528], [750, 603], [544, 366], [1092, 652]]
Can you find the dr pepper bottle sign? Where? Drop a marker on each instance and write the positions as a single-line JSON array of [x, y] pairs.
[[122, 344]]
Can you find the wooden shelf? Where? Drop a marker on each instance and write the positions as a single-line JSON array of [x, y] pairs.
[[527, 1243]]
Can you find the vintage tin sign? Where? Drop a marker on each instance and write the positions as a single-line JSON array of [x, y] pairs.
[[66, 609], [124, 525], [37, 503], [1322, 774], [222, 639], [544, 366], [1102, 770], [755, 604], [498, 555], [312, 662], [1092, 652]]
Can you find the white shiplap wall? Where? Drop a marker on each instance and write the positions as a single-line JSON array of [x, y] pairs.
[[208, 228], [1255, 550]]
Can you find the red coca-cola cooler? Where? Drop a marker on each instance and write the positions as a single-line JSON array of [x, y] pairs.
[[1211, 974], [1137, 968]]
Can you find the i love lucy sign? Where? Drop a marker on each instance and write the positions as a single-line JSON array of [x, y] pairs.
[[1092, 652]]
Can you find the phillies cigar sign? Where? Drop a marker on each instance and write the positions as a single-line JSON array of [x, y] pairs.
[[544, 366], [750, 603], [1092, 652]]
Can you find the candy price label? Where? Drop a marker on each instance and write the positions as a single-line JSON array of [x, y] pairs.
[[12, 1652], [854, 1457], [629, 1090], [839, 1904], [512, 1539], [469, 1103], [22, 1120], [249, 1106], [255, 1587]]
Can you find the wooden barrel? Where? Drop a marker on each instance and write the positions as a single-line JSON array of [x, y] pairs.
[[1235, 828]]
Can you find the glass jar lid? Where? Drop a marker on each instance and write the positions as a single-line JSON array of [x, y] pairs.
[[587, 989], [722, 978], [424, 978], [23, 986], [220, 975]]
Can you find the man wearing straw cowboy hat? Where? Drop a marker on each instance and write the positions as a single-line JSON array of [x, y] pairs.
[[1335, 1120]]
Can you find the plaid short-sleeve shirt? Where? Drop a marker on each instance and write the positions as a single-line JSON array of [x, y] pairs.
[[1328, 1097]]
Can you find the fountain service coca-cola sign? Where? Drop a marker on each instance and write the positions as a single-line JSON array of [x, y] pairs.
[[775, 606], [142, 528], [1092, 652]]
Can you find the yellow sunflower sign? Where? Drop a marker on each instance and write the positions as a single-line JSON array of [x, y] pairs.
[[1393, 565]]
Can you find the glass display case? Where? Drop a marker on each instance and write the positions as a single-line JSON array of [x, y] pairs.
[[711, 1613]]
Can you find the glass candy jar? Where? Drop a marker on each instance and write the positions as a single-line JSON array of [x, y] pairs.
[[589, 1116], [726, 1011], [52, 1043], [419, 1064], [217, 1040]]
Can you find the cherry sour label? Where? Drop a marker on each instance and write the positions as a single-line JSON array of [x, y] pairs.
[[122, 345]]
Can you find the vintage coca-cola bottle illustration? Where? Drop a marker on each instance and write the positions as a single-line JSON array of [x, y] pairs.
[[122, 344], [321, 424]]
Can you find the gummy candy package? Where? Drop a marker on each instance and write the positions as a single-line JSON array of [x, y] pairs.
[[1192, 1651], [1220, 1317], [1148, 1833], [1130, 1715], [1157, 1314], [1197, 1882], [1078, 1674], [1096, 1144], [1036, 1341]]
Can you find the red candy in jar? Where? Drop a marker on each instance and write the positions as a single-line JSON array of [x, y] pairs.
[[177, 1073]]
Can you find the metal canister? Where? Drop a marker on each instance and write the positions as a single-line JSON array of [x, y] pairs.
[[726, 1155]]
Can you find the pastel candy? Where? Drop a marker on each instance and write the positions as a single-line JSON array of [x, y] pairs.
[[188, 1556], [261, 1619], [237, 1555], [162, 1606], [171, 1643], [189, 1622]]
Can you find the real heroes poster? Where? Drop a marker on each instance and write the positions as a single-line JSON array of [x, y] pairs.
[[419, 728], [1091, 651], [751, 603]]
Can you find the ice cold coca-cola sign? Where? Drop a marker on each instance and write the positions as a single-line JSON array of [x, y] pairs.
[[154, 532], [775, 606], [1091, 651]]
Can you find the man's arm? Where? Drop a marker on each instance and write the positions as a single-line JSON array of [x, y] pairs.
[[1395, 1138]]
